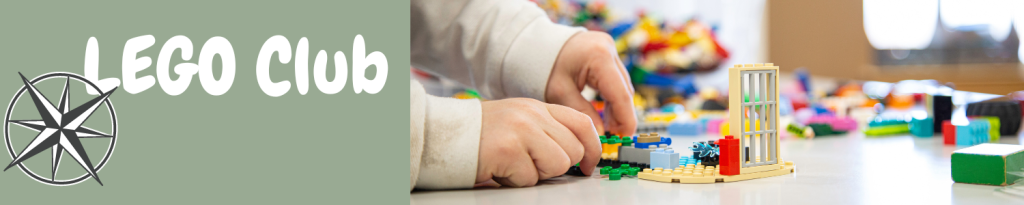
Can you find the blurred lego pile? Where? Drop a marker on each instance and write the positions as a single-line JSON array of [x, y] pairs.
[[885, 110], [653, 51], [662, 60]]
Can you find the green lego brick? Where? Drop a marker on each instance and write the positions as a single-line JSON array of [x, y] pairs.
[[993, 124], [796, 130], [626, 141], [987, 164], [823, 130], [887, 130], [615, 175]]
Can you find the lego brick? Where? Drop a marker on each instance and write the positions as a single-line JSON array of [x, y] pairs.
[[610, 148], [976, 132], [664, 158], [664, 140], [779, 170], [630, 154], [888, 129], [575, 171], [948, 133], [706, 152], [762, 168], [685, 160], [1008, 113], [714, 126], [800, 132], [922, 127], [724, 129], [987, 164], [842, 124], [993, 126], [823, 130], [730, 159], [646, 138], [685, 128], [942, 110], [706, 175]]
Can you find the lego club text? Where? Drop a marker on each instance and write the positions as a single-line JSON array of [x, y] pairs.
[[215, 84]]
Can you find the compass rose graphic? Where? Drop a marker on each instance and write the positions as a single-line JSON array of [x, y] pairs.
[[60, 130]]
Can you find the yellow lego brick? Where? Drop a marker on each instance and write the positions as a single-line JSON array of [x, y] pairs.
[[648, 138], [706, 175], [762, 168]]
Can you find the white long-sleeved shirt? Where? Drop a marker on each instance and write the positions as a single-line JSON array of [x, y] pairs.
[[502, 48]]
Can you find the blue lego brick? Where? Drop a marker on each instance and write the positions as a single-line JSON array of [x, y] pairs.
[[922, 127], [666, 159], [685, 160], [664, 140], [975, 133], [686, 129]]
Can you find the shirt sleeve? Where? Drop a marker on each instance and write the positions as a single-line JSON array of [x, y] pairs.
[[502, 48], [444, 140]]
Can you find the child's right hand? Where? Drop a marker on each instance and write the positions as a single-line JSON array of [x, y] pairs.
[[525, 140]]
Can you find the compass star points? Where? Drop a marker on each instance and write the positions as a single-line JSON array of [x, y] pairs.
[[60, 128]]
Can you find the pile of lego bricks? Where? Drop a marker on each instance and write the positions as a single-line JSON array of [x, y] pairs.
[[634, 151]]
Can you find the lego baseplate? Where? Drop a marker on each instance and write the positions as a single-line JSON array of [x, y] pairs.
[[697, 174]]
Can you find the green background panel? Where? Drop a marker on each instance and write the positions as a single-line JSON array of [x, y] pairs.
[[240, 147]]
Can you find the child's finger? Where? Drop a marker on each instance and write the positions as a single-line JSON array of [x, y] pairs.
[[625, 75], [578, 103], [583, 131], [606, 78], [548, 157], [569, 95], [519, 173], [560, 133]]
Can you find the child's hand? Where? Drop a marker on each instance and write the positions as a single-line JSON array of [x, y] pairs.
[[590, 58], [525, 140]]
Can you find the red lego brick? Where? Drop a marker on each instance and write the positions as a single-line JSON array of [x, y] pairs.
[[948, 133], [729, 160]]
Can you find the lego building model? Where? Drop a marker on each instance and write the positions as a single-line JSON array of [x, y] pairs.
[[635, 151], [754, 154]]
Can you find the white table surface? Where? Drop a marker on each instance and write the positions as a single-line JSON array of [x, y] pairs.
[[847, 169]]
